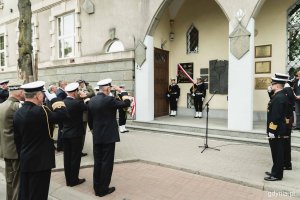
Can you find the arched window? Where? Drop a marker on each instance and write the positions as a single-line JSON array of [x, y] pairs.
[[115, 46], [192, 40], [293, 31]]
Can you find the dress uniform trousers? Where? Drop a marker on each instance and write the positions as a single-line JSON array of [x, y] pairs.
[[122, 117], [103, 166], [198, 103], [35, 185], [277, 150], [173, 102], [12, 174], [72, 159], [287, 149]]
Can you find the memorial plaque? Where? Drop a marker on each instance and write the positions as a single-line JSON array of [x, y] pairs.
[[218, 76], [262, 83], [189, 68]]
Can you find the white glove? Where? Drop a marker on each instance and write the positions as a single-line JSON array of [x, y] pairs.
[[50, 96], [270, 89], [271, 135], [202, 98], [193, 94], [168, 95], [176, 99], [86, 100]]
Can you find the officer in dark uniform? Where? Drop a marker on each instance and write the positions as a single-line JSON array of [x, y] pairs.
[[102, 122], [122, 111], [73, 131], [276, 128], [198, 91], [173, 96], [3, 91], [33, 126]]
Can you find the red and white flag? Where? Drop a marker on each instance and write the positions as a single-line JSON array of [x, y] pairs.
[[133, 103]]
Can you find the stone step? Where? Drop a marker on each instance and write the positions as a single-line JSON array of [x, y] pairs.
[[257, 137]]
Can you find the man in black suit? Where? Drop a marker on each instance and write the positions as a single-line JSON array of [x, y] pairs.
[[102, 122], [296, 87], [3, 91], [61, 94], [73, 131], [33, 126]]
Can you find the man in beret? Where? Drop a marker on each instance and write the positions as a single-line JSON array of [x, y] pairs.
[[8, 149], [33, 126], [3, 91], [276, 128], [102, 121]]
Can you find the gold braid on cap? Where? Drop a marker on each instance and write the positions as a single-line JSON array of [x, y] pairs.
[[58, 104]]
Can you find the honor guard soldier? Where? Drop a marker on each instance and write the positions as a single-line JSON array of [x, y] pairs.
[[276, 128], [33, 126], [73, 132], [3, 91], [122, 111], [173, 96], [102, 121], [8, 149], [198, 92]]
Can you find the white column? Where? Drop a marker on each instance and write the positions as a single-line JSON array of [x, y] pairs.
[[241, 86], [144, 84]]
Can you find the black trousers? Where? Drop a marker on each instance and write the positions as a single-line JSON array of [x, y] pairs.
[[122, 117], [173, 103], [35, 185], [83, 137], [287, 149], [59, 136], [103, 166], [198, 103], [72, 159], [277, 150]]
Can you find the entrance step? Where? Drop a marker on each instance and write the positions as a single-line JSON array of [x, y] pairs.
[[257, 137]]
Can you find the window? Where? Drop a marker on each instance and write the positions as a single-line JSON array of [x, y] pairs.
[[192, 40], [115, 46], [66, 36], [2, 51], [293, 31]]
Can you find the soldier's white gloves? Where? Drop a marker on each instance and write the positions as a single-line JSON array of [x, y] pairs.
[[270, 89], [168, 95], [193, 94], [50, 96], [271, 135], [176, 99], [86, 100], [202, 98]]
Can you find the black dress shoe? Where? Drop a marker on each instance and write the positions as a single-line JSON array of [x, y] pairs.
[[272, 178], [268, 173], [108, 191], [80, 181], [287, 168], [83, 154]]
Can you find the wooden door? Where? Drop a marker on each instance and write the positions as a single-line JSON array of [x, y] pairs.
[[161, 82]]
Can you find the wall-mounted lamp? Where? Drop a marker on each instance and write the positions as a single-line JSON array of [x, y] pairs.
[[1, 4], [172, 34]]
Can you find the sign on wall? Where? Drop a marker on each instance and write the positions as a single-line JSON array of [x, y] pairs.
[[218, 76], [189, 69]]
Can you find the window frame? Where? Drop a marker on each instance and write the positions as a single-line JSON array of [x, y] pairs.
[[3, 51], [63, 37], [188, 43]]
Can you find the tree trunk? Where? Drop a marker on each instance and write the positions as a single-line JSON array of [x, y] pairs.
[[25, 40]]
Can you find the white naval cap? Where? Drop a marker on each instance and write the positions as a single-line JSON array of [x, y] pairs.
[[282, 76], [105, 82], [278, 80], [96, 88], [33, 86], [72, 87], [15, 85], [4, 82]]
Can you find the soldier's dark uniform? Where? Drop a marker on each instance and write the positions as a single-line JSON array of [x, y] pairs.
[[3, 92], [198, 91], [61, 94], [122, 113], [33, 126], [73, 131], [173, 95], [276, 124]]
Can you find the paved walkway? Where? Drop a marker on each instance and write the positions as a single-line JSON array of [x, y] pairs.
[[237, 163]]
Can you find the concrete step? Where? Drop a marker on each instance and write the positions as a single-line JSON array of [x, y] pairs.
[[257, 137]]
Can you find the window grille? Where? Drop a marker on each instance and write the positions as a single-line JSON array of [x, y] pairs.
[[192, 38]]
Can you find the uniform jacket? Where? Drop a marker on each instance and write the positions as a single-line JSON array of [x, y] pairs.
[[198, 90], [73, 126], [3, 95], [33, 141], [102, 118], [7, 142], [174, 91], [276, 116]]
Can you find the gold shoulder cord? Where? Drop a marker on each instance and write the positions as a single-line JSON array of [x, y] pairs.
[[47, 120]]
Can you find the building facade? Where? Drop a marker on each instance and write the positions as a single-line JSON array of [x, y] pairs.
[[141, 42]]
